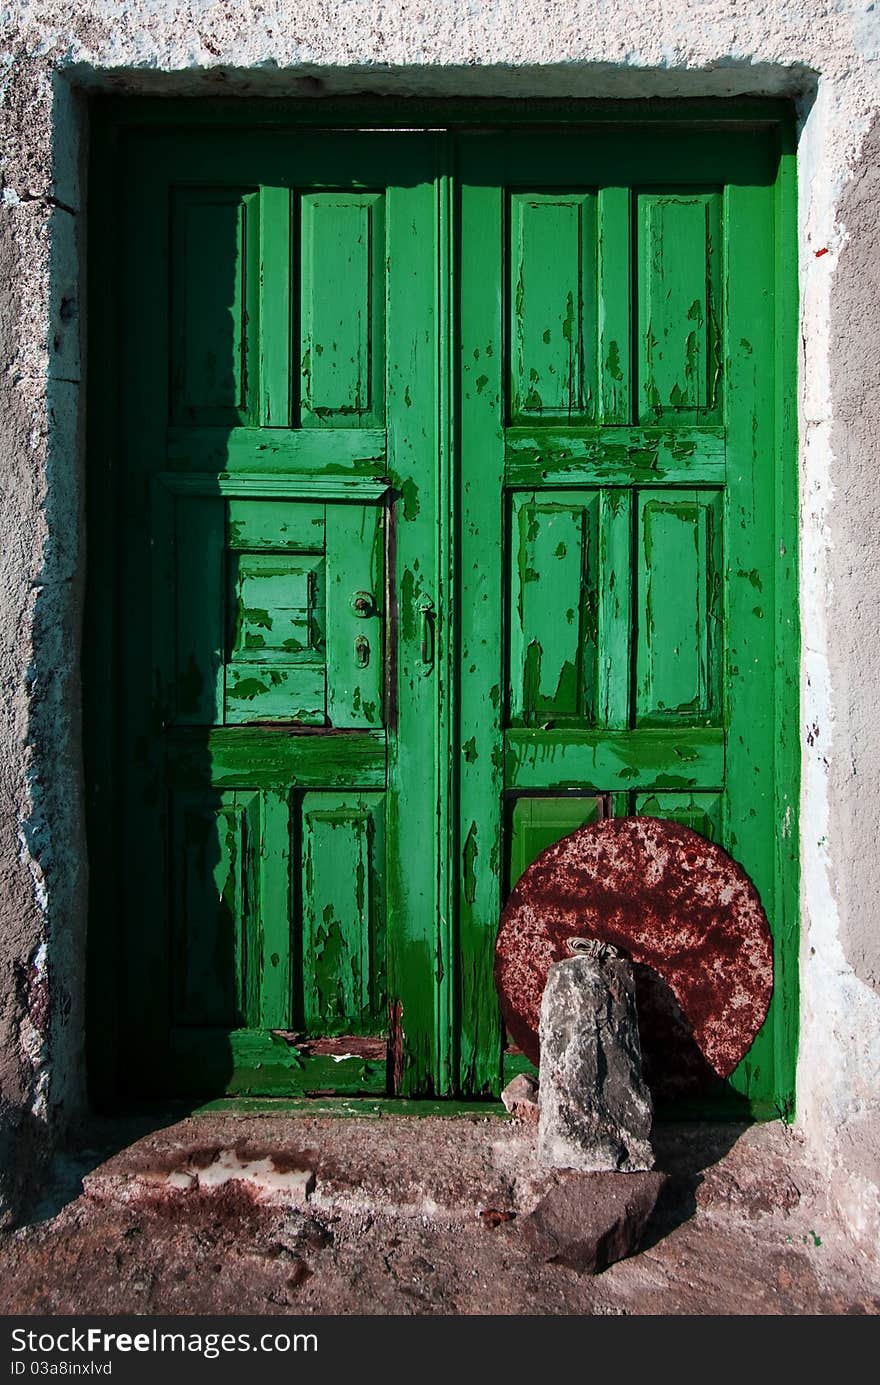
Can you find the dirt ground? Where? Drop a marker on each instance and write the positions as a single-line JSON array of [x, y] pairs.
[[396, 1215]]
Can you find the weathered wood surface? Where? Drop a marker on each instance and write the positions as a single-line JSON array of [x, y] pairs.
[[527, 393]]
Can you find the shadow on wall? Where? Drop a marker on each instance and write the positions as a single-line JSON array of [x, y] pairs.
[[25, 1159], [578, 80], [86, 1148]]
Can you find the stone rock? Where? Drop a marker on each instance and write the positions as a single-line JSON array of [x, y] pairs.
[[595, 1108], [520, 1098], [589, 1221]]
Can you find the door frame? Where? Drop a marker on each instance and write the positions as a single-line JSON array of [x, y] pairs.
[[111, 118]]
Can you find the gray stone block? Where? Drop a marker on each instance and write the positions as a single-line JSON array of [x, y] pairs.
[[595, 1108]]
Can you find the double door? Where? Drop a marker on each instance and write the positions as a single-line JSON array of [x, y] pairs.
[[440, 517]]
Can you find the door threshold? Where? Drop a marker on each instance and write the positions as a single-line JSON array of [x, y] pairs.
[[339, 1106]]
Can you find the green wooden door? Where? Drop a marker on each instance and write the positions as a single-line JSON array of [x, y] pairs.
[[439, 504], [277, 544], [621, 633]]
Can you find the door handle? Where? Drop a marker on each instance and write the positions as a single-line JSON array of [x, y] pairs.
[[426, 634], [363, 604]]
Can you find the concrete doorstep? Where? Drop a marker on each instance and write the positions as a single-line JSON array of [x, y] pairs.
[[223, 1213]]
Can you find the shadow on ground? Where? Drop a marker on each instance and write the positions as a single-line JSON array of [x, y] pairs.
[[684, 1154], [87, 1147]]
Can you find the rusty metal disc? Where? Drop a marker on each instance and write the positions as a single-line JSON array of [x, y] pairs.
[[686, 914]]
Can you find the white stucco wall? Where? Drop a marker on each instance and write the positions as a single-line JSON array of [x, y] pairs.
[[828, 57]]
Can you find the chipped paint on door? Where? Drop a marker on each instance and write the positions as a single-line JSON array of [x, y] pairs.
[[443, 481], [620, 396], [275, 785]]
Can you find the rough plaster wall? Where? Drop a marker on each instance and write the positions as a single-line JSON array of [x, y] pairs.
[[41, 839], [840, 1050], [500, 47], [855, 352]]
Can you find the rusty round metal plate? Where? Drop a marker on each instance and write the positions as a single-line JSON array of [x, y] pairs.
[[685, 913]]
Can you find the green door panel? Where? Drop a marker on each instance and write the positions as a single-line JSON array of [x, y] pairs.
[[277, 442], [553, 307], [678, 617], [343, 939], [342, 348], [277, 606], [441, 501], [679, 331], [215, 909], [621, 382], [356, 607], [215, 325], [536, 823], [702, 812], [554, 607]]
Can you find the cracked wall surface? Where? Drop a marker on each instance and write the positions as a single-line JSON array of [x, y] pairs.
[[827, 57]]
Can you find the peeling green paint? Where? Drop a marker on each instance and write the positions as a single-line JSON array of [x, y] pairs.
[[612, 361], [590, 319], [411, 503], [469, 855]]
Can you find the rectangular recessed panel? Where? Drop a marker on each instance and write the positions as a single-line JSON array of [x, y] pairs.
[[342, 366], [553, 607], [553, 306], [343, 925], [214, 908], [258, 692], [678, 607], [276, 616], [276, 524], [615, 234], [215, 326], [536, 823], [200, 601], [277, 607], [699, 811], [248, 614], [679, 349]]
